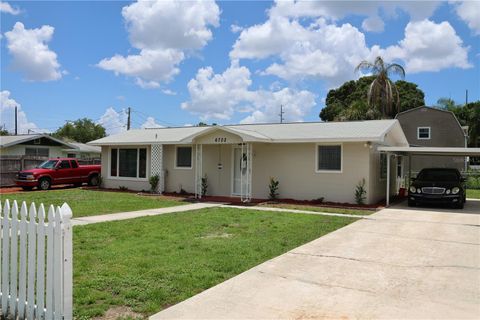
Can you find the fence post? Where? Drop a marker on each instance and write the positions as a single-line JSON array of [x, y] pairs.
[[67, 261]]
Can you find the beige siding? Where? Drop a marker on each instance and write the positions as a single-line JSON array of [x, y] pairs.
[[293, 165], [117, 182], [19, 150]]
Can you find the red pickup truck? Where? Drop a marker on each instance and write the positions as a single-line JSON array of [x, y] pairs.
[[58, 171]]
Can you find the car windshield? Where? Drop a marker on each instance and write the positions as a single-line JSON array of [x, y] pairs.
[[438, 175], [49, 164]]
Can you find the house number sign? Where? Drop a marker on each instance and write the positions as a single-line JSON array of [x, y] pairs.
[[220, 140]]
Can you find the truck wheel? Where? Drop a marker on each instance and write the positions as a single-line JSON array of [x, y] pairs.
[[27, 188], [44, 184], [93, 180]]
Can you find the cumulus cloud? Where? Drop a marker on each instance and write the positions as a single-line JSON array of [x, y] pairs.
[[220, 96], [319, 48], [163, 32], [469, 11], [150, 123], [429, 46], [31, 54], [114, 122], [7, 8], [7, 115]]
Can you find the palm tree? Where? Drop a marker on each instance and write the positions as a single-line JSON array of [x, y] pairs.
[[382, 93]]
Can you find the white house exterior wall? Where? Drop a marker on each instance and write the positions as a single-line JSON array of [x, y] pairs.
[[19, 150]]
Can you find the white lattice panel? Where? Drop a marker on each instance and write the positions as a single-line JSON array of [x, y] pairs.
[[156, 164]]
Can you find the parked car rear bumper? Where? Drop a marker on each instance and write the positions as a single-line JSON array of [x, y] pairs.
[[430, 198]]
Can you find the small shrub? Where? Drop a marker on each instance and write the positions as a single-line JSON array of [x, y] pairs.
[[123, 188], [153, 180], [273, 188], [360, 192], [100, 181], [182, 191], [473, 182], [319, 200], [204, 186]]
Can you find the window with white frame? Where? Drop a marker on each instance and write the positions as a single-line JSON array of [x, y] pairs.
[[329, 158], [423, 133], [37, 152], [128, 162], [183, 158]]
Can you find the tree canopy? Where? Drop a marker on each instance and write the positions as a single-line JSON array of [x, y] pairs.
[[81, 130], [348, 101], [467, 115]]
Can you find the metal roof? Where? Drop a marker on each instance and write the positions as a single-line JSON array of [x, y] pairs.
[[439, 151], [7, 141], [373, 130], [82, 147]]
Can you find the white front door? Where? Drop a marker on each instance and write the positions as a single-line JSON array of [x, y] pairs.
[[239, 174]]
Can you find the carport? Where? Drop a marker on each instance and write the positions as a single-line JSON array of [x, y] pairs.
[[424, 151]]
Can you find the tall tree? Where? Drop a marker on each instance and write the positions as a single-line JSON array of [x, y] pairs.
[[353, 94], [467, 115], [81, 130], [382, 93]]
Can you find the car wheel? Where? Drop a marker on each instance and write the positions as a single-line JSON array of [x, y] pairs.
[[93, 180], [44, 184], [27, 188], [460, 204], [412, 203]]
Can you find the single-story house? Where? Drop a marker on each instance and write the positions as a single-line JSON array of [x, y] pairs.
[[310, 160], [43, 145]]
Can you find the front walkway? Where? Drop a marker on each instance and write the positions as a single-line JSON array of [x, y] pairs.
[[141, 213], [401, 263]]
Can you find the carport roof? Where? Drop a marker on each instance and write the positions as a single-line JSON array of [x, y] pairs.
[[438, 151]]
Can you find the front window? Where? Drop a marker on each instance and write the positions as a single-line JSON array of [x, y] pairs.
[[49, 164], [423, 133], [128, 163], [37, 152], [329, 158], [64, 164], [184, 157]]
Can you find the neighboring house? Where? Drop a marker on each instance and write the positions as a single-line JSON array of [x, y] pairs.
[[431, 127], [310, 160], [35, 145], [82, 151], [43, 145]]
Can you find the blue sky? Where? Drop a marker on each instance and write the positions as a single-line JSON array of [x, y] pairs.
[[178, 63]]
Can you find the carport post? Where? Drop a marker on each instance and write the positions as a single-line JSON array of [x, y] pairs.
[[388, 179], [409, 169]]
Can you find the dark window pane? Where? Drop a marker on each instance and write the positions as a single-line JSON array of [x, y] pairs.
[[65, 164], [43, 152], [330, 158], [74, 164], [30, 151], [113, 163], [128, 163], [184, 157], [142, 166], [37, 152]]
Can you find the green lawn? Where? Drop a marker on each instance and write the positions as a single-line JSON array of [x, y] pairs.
[[319, 209], [148, 264], [471, 193], [93, 202]]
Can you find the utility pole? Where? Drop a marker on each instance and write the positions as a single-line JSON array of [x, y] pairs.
[[466, 97], [281, 113], [128, 119], [16, 122]]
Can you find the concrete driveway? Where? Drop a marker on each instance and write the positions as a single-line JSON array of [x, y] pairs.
[[405, 263]]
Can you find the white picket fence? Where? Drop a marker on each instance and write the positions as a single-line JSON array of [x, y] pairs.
[[36, 262]]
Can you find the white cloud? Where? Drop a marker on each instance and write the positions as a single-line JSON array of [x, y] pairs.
[[163, 32], [321, 49], [373, 24], [31, 54], [236, 28], [114, 122], [150, 123], [169, 92], [7, 115], [220, 96], [429, 46], [469, 11], [7, 8]]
